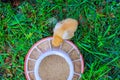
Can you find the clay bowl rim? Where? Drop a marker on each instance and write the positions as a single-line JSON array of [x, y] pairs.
[[42, 40]]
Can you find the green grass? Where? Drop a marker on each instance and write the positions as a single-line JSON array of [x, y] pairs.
[[97, 36]]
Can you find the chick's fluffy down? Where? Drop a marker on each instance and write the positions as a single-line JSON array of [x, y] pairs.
[[64, 30]]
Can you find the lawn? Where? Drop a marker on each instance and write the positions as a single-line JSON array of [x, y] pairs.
[[97, 36]]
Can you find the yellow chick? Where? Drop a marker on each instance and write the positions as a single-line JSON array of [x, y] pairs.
[[64, 30]]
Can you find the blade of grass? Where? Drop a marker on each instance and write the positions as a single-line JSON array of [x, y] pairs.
[[108, 29], [98, 53]]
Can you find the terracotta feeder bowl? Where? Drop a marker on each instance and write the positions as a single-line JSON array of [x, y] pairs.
[[45, 62]]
